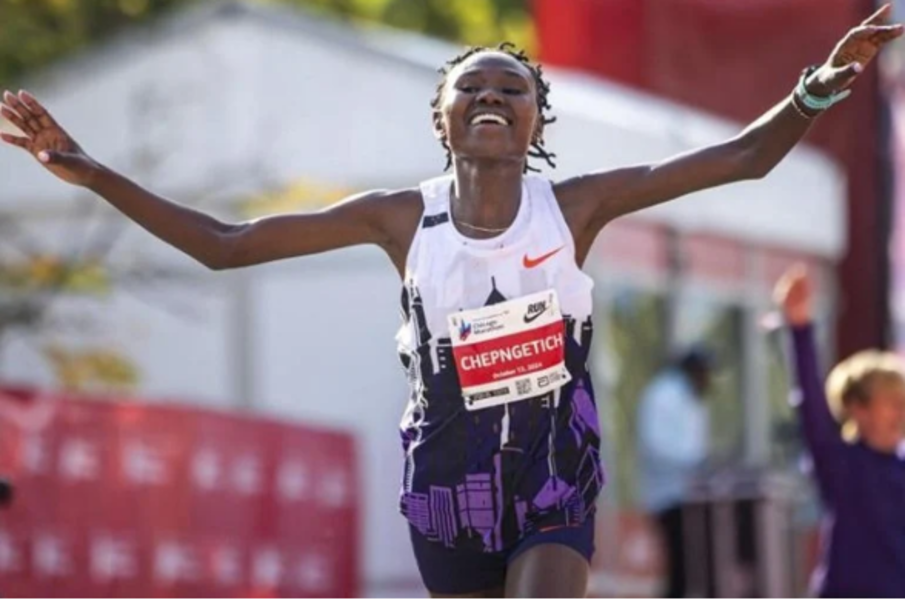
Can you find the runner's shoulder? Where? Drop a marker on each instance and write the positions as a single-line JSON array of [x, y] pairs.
[[401, 206], [407, 199], [397, 213]]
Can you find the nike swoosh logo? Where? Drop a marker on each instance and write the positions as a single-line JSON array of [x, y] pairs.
[[529, 318], [530, 263]]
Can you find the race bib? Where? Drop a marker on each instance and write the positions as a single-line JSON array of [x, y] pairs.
[[509, 351]]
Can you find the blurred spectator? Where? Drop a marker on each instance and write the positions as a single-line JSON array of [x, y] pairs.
[[673, 425]]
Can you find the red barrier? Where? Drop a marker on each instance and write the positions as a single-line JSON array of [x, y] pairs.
[[125, 499]]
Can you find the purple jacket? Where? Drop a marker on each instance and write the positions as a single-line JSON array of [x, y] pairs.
[[863, 545]]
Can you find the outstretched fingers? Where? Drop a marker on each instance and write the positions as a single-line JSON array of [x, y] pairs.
[[29, 123], [869, 31], [37, 109], [15, 140], [15, 118], [877, 35], [882, 35], [33, 117]]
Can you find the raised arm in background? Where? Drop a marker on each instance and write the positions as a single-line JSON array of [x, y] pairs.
[[818, 426]]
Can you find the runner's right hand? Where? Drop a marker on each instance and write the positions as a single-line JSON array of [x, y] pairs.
[[45, 139], [794, 293]]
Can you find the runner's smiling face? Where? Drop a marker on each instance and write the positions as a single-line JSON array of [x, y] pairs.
[[489, 108]]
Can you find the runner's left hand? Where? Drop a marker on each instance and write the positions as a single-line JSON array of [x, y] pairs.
[[853, 53]]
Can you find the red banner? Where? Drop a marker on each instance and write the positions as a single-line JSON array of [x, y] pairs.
[[125, 499]]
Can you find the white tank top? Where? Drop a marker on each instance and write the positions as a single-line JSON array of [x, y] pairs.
[[453, 272], [481, 463]]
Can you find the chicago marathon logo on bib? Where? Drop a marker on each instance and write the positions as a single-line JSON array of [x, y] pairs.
[[509, 351]]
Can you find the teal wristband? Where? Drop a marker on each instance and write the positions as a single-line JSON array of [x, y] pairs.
[[813, 102]]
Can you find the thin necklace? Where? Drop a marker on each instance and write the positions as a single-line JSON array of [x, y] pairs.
[[482, 229]]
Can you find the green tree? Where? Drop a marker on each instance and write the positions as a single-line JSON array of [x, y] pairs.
[[34, 33], [468, 21]]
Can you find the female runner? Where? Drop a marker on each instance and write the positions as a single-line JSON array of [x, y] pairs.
[[500, 435]]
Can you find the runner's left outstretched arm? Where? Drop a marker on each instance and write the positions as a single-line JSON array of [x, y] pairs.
[[596, 198]]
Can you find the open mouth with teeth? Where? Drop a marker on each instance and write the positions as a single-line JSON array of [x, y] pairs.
[[489, 119]]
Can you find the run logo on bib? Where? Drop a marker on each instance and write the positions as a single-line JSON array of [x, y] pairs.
[[509, 351]]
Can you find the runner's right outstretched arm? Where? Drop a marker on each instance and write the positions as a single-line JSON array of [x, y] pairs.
[[369, 218]]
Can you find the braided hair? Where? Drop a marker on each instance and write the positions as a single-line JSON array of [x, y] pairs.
[[542, 86]]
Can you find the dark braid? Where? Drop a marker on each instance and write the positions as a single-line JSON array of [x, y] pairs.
[[543, 104]]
